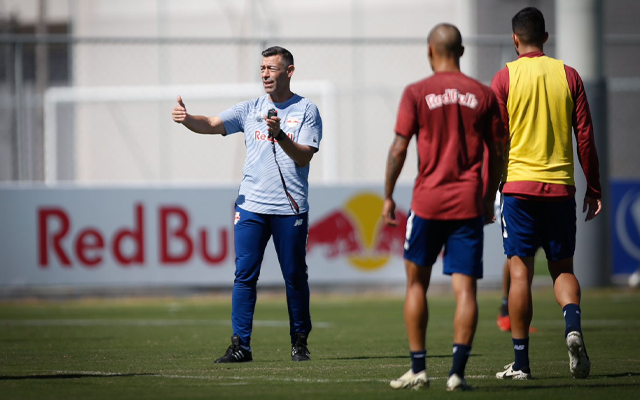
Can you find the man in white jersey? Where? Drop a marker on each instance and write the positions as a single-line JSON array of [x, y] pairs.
[[272, 200]]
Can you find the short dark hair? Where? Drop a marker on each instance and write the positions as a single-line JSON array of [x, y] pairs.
[[528, 24], [286, 55]]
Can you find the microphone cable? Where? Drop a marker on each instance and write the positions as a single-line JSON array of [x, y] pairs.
[[292, 203]]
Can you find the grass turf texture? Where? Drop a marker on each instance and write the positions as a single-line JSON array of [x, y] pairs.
[[165, 348]]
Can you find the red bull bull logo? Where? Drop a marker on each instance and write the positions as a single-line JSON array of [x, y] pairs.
[[358, 233]]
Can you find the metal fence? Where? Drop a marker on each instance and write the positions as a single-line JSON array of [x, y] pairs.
[[134, 140]]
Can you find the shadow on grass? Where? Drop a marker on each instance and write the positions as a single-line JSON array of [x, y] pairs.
[[619, 375], [592, 376], [66, 376], [512, 388], [594, 381], [368, 358], [392, 357]]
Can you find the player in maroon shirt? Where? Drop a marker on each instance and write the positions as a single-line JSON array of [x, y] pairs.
[[452, 117]]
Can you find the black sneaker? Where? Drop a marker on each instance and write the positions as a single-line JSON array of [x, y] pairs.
[[299, 350], [235, 353]]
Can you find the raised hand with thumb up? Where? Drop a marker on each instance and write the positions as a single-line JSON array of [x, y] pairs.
[[179, 112], [197, 123]]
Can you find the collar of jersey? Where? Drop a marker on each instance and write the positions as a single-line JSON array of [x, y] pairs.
[[294, 99]]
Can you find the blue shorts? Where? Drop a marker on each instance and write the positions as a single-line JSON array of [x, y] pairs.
[[462, 241], [529, 224]]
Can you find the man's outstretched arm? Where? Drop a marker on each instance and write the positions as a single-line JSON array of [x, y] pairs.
[[197, 123]]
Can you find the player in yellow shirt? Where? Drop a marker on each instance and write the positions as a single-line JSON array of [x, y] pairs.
[[541, 100]]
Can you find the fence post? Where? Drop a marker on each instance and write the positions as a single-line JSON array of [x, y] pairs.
[[579, 30], [19, 112]]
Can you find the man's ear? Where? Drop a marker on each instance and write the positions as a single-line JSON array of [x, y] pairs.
[[290, 70], [546, 37], [516, 40], [461, 51]]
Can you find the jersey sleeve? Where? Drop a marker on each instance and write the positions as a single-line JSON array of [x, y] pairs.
[[495, 131], [500, 87], [311, 130], [407, 121], [234, 117], [583, 130]]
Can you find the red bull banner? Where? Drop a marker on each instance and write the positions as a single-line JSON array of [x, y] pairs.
[[183, 236], [348, 242], [113, 236]]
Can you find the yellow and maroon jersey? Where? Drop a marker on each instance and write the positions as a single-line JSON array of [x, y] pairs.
[[541, 100]]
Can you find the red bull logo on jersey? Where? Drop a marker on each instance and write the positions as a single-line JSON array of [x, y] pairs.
[[292, 122], [260, 136], [357, 232], [451, 96]]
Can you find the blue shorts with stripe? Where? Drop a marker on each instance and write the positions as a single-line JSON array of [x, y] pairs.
[[529, 224], [462, 241]]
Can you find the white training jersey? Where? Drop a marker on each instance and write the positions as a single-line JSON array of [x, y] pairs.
[[261, 190]]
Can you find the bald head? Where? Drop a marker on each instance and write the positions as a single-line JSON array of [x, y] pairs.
[[445, 40]]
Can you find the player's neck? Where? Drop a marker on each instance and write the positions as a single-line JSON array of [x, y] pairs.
[[281, 97], [526, 49], [446, 65]]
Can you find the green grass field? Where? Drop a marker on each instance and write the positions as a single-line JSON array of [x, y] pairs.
[[165, 348]]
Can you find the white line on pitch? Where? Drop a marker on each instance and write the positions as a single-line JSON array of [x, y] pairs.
[[254, 378]]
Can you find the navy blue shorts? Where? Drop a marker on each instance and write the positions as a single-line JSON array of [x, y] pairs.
[[529, 224], [462, 241]]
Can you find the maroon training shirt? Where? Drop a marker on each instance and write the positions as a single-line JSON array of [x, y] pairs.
[[453, 116]]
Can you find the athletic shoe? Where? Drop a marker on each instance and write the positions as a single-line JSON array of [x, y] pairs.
[[411, 380], [510, 373], [579, 363], [235, 353], [504, 323], [299, 350], [455, 383]]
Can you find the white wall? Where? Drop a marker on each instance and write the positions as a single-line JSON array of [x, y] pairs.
[[138, 142]]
